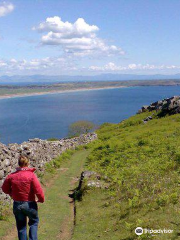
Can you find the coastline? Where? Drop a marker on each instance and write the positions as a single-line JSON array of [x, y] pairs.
[[8, 96]]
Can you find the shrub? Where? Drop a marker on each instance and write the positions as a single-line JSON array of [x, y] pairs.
[[174, 198], [52, 139], [81, 127], [162, 200]]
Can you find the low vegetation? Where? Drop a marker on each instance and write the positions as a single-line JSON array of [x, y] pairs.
[[141, 162], [52, 139], [81, 127]]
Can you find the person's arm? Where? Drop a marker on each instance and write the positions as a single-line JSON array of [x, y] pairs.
[[6, 187], [37, 189]]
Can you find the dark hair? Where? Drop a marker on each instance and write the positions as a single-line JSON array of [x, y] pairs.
[[23, 160]]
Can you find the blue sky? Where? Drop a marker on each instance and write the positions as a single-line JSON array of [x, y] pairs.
[[89, 37]]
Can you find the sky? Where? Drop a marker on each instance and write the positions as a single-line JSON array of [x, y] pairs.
[[89, 37]]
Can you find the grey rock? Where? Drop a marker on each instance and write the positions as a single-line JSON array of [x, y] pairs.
[[1, 183], [2, 165], [147, 119], [7, 162], [8, 169], [96, 184], [1, 174], [166, 106], [88, 174]]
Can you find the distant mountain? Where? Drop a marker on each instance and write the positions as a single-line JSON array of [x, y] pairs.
[[100, 77]]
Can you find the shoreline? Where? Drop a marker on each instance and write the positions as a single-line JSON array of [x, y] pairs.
[[8, 96]]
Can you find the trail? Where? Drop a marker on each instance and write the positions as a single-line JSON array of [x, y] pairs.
[[11, 234], [57, 213]]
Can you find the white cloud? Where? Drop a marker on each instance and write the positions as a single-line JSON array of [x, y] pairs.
[[65, 29], [112, 67], [60, 65], [78, 38], [36, 65], [6, 8]]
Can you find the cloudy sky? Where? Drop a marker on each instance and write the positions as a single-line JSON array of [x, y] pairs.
[[89, 37]]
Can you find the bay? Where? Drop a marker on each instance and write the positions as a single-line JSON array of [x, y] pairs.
[[49, 116]]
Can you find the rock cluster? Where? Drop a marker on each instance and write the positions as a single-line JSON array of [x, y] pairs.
[[39, 152], [92, 179], [147, 119], [165, 106]]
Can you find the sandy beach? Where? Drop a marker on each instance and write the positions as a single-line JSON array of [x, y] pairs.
[[6, 96]]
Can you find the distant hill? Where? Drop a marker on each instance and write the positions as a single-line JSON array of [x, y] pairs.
[[100, 77]]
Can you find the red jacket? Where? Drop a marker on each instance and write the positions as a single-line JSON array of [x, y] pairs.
[[23, 185]]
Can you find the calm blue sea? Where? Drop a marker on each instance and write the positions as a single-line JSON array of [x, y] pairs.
[[48, 116]]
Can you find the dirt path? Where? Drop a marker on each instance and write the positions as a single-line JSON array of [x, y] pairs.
[[11, 234], [57, 213]]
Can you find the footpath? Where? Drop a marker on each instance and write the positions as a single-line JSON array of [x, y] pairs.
[[57, 213]]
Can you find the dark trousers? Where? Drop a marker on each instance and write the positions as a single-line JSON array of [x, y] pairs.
[[22, 211]]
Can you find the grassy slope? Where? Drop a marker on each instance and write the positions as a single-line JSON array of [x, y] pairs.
[[142, 163], [94, 220]]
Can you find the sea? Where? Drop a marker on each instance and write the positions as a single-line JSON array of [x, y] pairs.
[[49, 116]]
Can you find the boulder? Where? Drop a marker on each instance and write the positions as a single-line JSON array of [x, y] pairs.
[[1, 174], [7, 162], [165, 106]]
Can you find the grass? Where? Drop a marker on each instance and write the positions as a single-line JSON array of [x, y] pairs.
[[142, 164], [99, 217], [6, 223], [94, 220]]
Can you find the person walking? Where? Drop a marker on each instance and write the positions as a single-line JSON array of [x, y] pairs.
[[25, 189]]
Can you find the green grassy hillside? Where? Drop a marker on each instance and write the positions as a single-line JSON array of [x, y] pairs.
[[141, 162]]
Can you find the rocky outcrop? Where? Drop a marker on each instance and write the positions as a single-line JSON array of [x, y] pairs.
[[39, 152], [147, 119], [166, 106], [90, 179]]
